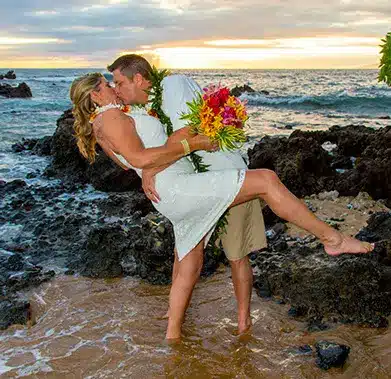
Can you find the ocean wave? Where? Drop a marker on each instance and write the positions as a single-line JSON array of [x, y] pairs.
[[61, 79], [343, 100]]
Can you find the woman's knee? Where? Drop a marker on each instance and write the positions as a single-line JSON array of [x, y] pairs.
[[266, 180], [268, 175], [191, 265]]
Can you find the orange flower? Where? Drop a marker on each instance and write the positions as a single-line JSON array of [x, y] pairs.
[[153, 113]]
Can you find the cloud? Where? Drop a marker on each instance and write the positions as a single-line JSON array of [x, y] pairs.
[[105, 28]]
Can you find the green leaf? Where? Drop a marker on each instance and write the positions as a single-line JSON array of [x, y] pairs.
[[385, 60]]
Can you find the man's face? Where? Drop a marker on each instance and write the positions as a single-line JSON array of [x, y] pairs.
[[130, 91]]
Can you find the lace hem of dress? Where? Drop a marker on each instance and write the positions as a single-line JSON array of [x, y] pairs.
[[242, 176], [208, 232]]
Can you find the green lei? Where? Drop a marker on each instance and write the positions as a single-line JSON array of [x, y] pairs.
[[385, 62], [155, 105]]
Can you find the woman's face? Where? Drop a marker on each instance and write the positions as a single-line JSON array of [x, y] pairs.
[[105, 94]]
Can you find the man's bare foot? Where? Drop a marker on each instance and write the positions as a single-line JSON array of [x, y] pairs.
[[347, 245], [173, 341], [244, 327]]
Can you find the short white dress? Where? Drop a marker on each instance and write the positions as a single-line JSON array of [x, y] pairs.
[[192, 202]]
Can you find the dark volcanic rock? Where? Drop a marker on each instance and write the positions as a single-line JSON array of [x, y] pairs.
[[239, 90], [306, 168], [22, 90], [9, 75], [40, 146], [71, 166], [379, 228], [102, 253], [331, 354], [151, 251], [13, 312], [298, 161], [348, 288]]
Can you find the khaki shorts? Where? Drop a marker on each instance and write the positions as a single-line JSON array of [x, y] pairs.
[[245, 230]]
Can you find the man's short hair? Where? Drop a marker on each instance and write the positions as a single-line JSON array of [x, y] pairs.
[[131, 64]]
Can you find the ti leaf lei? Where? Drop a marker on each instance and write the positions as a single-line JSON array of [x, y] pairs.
[[385, 62], [155, 109]]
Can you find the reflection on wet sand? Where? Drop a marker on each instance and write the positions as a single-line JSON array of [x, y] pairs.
[[88, 328]]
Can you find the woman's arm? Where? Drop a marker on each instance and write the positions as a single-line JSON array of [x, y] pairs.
[[110, 154], [119, 130]]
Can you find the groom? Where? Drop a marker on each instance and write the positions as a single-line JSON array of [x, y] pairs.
[[245, 229]]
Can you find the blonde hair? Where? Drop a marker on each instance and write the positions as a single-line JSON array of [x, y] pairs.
[[83, 106]]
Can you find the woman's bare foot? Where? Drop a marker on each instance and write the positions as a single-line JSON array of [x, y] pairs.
[[347, 245]]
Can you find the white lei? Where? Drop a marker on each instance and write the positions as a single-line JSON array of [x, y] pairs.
[[136, 110], [104, 108]]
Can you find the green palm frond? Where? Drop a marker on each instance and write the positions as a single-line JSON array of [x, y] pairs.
[[385, 61]]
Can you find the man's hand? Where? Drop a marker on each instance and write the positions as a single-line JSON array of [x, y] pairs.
[[148, 184]]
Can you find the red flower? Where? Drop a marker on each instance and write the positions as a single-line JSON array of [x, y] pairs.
[[214, 102], [223, 94], [216, 110]]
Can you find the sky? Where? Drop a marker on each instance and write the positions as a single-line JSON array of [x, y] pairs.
[[194, 34]]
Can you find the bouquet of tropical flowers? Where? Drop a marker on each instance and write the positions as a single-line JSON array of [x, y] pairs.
[[218, 115]]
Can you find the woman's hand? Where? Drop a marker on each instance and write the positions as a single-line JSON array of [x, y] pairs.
[[196, 141], [201, 142], [179, 135]]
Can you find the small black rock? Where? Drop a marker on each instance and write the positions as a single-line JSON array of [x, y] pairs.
[[331, 354]]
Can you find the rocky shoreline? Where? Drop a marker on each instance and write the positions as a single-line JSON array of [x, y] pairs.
[[94, 220]]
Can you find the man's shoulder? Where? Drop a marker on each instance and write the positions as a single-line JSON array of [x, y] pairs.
[[175, 78]]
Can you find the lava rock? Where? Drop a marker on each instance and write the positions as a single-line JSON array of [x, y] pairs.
[[9, 75], [331, 354], [306, 168], [348, 288], [22, 90], [102, 253], [239, 90], [13, 312]]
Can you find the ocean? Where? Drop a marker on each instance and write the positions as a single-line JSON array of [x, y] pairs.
[[298, 99]]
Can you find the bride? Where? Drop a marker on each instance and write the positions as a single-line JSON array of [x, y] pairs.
[[192, 202]]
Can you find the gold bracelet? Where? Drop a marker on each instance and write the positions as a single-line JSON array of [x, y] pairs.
[[186, 146]]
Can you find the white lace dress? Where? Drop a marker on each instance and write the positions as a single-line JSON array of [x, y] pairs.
[[192, 202]]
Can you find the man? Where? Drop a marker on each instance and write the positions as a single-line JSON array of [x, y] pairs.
[[245, 229]]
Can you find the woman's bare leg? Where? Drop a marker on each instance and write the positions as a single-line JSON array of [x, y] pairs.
[[266, 185], [189, 269], [174, 274]]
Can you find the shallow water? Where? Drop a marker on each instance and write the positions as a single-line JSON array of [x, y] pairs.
[[86, 328]]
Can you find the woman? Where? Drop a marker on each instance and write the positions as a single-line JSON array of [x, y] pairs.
[[192, 202]]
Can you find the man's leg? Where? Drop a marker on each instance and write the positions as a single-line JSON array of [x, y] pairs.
[[189, 269], [242, 278]]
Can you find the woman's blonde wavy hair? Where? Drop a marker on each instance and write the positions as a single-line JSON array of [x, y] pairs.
[[83, 106]]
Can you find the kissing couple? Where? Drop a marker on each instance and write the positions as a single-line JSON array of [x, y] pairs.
[[193, 202]]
